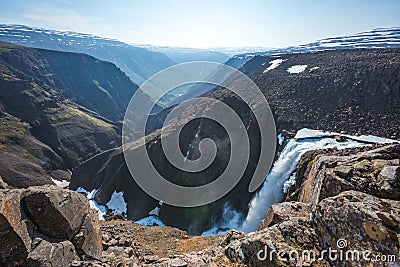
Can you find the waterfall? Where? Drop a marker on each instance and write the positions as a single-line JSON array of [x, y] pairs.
[[272, 191]]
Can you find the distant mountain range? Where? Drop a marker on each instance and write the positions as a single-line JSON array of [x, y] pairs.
[[186, 54], [214, 54], [137, 62], [377, 38]]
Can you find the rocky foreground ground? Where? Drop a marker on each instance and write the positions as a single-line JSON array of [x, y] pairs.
[[351, 195]]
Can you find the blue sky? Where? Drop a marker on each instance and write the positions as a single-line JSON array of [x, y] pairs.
[[206, 23]]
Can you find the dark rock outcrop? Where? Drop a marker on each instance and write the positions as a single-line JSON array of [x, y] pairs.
[[47, 226], [57, 214], [45, 253]]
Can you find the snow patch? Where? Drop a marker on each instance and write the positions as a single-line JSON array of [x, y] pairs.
[[101, 210], [281, 139], [150, 221], [62, 183], [297, 69], [274, 64], [117, 203]]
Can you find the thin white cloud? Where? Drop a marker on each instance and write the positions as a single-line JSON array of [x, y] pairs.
[[66, 19]]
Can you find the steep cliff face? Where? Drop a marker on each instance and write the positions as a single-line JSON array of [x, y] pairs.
[[57, 109], [96, 85]]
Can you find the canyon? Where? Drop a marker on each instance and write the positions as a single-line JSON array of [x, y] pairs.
[[67, 197]]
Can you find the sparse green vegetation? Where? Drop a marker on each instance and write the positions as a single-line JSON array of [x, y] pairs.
[[62, 116], [11, 127], [8, 77]]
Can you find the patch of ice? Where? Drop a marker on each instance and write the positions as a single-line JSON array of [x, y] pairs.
[[150, 221], [82, 190], [62, 183], [101, 210], [314, 68], [281, 139], [117, 203], [274, 64], [309, 133], [372, 138], [297, 69]]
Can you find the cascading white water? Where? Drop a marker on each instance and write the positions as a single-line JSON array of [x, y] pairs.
[[272, 190], [231, 219]]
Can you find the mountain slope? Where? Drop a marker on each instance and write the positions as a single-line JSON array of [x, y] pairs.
[[351, 90], [377, 38], [56, 110], [138, 63]]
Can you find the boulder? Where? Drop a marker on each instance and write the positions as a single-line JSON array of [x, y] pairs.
[[389, 181], [57, 213], [47, 226], [15, 241], [284, 211], [351, 221], [45, 253], [262, 247], [88, 241], [3, 185], [374, 171]]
